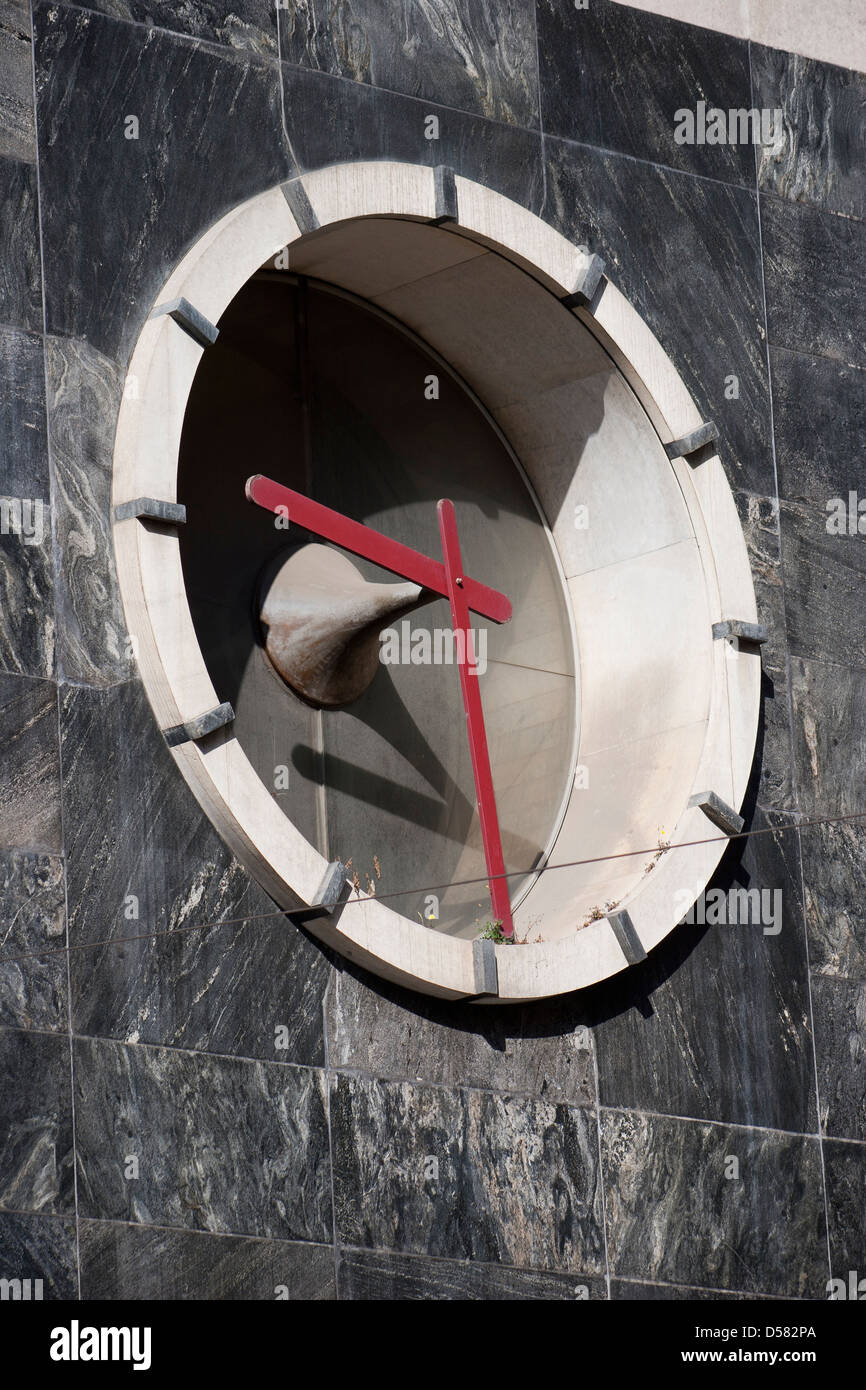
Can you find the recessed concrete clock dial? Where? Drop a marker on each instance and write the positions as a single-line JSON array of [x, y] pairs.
[[438, 587], [324, 614]]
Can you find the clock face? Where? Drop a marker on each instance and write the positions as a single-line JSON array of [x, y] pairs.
[[433, 572], [333, 399]]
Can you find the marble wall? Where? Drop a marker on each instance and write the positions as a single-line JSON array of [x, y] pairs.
[[397, 1147]]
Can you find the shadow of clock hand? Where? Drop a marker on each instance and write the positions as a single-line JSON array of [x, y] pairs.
[[451, 815], [388, 716], [384, 713]]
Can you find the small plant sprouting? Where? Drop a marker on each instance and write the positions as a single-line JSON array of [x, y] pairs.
[[596, 915], [663, 847], [493, 932]]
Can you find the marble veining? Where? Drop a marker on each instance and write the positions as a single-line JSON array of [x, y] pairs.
[[17, 129], [467, 1175], [824, 578], [614, 77], [819, 420], [759, 518], [674, 1216], [35, 1123], [27, 624], [118, 213], [29, 765], [221, 1144], [721, 1030], [20, 275], [834, 879], [329, 119], [633, 1291], [83, 397], [845, 1168], [686, 253], [247, 25], [819, 157], [161, 868], [540, 1049], [829, 704], [40, 1248], [815, 276], [474, 55], [839, 1007], [140, 1262], [33, 987], [373, 1275]]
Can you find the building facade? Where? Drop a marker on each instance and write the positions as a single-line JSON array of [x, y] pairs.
[[200, 1100]]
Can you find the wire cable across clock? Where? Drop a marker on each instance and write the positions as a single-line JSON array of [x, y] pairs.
[[249, 918]]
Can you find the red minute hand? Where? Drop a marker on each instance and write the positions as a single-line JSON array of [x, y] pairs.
[[474, 719], [372, 545]]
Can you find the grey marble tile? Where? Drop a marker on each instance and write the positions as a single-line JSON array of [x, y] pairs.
[[819, 158], [824, 578], [84, 389], [631, 1290], [494, 1156], [815, 276], [376, 1275], [22, 417], [474, 55], [20, 276], [33, 987], [29, 765], [819, 420], [117, 212], [759, 518], [614, 76], [40, 1248], [17, 128], [845, 1168], [247, 25], [27, 628], [329, 120], [15, 17], [142, 1262], [35, 1123], [686, 253], [252, 988], [829, 704], [834, 881], [715, 1024], [142, 857], [540, 1049], [222, 1145], [674, 1217], [839, 1009]]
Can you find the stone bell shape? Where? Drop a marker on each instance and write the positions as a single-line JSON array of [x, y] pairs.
[[321, 621]]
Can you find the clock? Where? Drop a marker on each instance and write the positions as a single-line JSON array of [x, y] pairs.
[[436, 584]]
